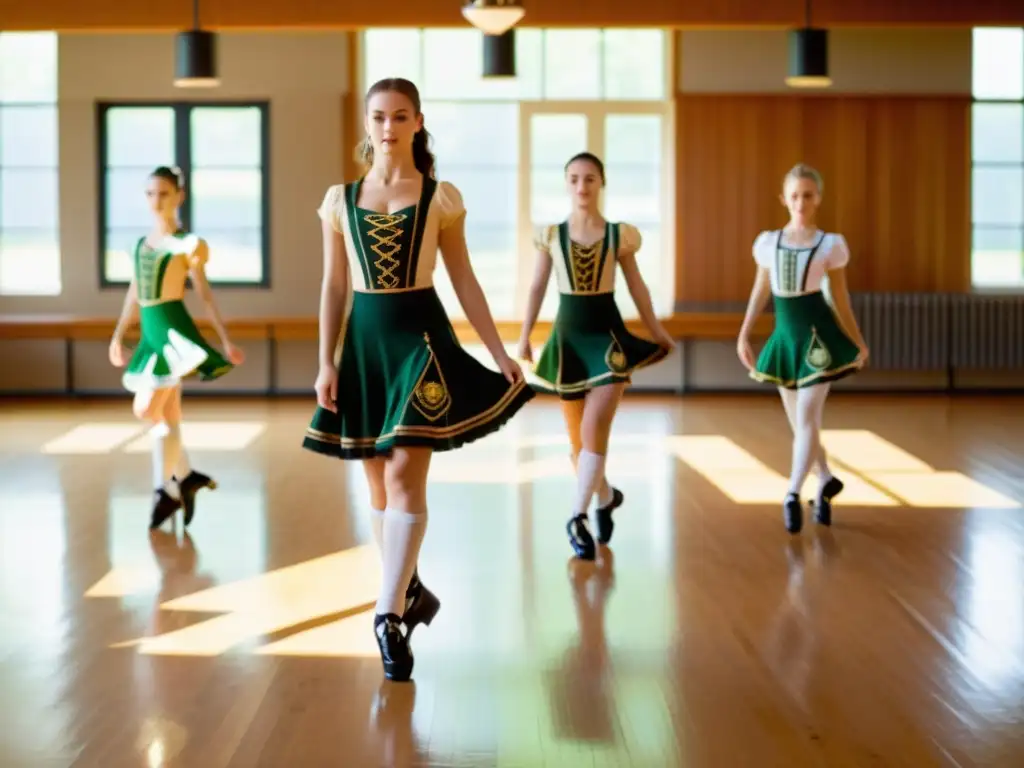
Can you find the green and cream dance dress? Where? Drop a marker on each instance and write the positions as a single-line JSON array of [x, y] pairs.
[[808, 345], [589, 345], [170, 345], [403, 377]]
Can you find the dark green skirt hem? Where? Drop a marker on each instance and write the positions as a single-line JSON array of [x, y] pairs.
[[590, 347], [171, 348], [342, 448], [405, 380], [822, 378], [807, 347]]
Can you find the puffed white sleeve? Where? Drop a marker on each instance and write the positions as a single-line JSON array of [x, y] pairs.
[[449, 199], [630, 239], [542, 237], [762, 251], [838, 254], [330, 208]]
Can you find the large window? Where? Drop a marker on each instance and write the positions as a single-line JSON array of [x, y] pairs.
[[222, 151], [594, 89], [29, 205], [997, 195]]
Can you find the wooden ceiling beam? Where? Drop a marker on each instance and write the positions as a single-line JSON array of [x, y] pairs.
[[240, 15]]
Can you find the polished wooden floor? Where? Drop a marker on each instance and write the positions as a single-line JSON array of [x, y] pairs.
[[705, 637]]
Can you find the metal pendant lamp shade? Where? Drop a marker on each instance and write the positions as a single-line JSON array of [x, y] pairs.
[[493, 17], [808, 58], [500, 55], [195, 59], [195, 56]]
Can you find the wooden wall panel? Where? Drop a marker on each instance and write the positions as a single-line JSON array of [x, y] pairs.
[[132, 15], [897, 184]]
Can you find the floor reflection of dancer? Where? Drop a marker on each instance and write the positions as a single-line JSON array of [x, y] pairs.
[[581, 685], [395, 742], [395, 385], [795, 632], [812, 345], [170, 346], [590, 356]]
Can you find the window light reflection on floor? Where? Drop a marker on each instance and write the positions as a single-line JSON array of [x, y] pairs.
[[248, 610], [744, 479], [908, 477], [875, 472], [92, 438], [210, 436]]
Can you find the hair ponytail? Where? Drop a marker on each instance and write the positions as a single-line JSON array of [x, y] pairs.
[[422, 157], [363, 153]]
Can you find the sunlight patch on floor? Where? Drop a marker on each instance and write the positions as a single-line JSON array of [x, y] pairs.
[[209, 436], [745, 479], [907, 476], [268, 603], [91, 438]]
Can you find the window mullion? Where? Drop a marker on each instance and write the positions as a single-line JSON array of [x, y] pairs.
[[183, 157]]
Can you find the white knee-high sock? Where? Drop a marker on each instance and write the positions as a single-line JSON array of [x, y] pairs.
[[604, 489], [377, 521], [807, 435], [589, 473], [403, 534], [166, 449], [822, 391]]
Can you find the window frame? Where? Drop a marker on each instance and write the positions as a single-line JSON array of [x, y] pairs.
[[52, 104], [596, 114], [1016, 288], [183, 151]]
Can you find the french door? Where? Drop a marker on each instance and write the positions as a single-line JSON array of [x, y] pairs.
[[634, 140]]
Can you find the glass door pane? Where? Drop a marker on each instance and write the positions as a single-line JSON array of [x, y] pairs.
[[633, 156]]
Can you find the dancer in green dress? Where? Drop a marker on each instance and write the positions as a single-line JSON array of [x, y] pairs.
[[812, 344], [395, 385], [170, 346], [590, 356]]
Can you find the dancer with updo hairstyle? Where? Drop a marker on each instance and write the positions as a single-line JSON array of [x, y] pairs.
[[590, 356], [813, 344], [170, 348]]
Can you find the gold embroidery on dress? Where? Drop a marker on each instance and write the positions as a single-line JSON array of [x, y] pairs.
[[788, 271], [150, 263], [386, 231], [431, 396], [615, 358], [584, 265], [818, 356]]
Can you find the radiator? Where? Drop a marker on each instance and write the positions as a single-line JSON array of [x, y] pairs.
[[988, 332], [906, 331]]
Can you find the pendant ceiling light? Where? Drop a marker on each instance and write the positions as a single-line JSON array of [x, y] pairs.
[[500, 55], [493, 17], [195, 56], [808, 56]]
